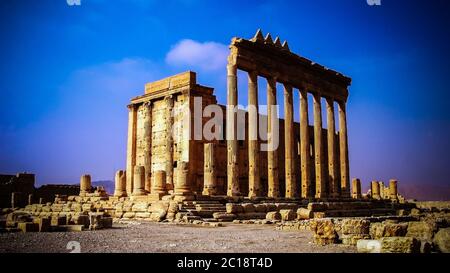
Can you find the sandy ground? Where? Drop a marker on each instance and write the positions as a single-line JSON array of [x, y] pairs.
[[163, 237]]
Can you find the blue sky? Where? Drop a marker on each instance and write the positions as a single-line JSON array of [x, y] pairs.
[[67, 73]]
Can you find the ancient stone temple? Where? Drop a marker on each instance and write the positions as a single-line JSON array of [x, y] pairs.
[[310, 161]]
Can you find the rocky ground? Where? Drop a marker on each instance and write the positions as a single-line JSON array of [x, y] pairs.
[[134, 236]]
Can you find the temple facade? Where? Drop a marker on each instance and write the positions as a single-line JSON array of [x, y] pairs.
[[165, 157]]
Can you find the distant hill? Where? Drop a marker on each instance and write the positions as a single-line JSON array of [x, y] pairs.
[[107, 184]]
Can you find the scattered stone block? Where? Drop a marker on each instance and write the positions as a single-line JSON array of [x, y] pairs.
[[225, 217], [368, 246], [324, 231], [273, 216], [303, 213], [400, 245], [442, 240], [288, 215], [421, 230]]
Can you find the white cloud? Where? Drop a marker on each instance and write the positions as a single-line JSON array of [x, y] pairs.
[[207, 56]]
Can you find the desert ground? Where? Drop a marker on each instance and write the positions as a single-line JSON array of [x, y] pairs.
[[166, 237]]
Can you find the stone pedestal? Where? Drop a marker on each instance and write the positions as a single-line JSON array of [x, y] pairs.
[[209, 170], [183, 189], [139, 181], [356, 188], [85, 184], [120, 184], [159, 184]]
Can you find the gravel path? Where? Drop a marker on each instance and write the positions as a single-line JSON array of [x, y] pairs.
[[163, 237]]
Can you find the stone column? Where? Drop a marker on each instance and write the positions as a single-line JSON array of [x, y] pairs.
[[159, 184], [289, 149], [85, 184], [333, 179], [183, 189], [209, 170], [343, 151], [393, 192], [356, 188], [120, 184], [375, 190], [382, 190], [169, 140], [139, 181], [272, 155], [231, 127], [254, 179], [148, 145], [319, 149], [305, 147], [131, 146]]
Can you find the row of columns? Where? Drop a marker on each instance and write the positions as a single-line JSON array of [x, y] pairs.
[[322, 178], [131, 165]]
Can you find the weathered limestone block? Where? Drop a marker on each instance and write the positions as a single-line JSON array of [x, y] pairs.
[[248, 207], [28, 227], [71, 228], [421, 230], [352, 239], [251, 215], [386, 229], [355, 226], [88, 207], [368, 246], [442, 240], [324, 231], [303, 213], [225, 217], [234, 208], [143, 214], [129, 215], [400, 245], [158, 210], [85, 184], [140, 207], [273, 215], [288, 215], [118, 214], [120, 189]]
